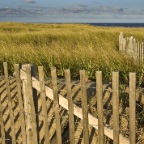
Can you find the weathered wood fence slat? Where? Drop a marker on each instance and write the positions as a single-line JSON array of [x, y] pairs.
[[21, 104], [132, 48], [43, 99], [99, 95], [10, 103], [25, 83], [132, 106], [2, 125], [70, 106], [56, 105], [31, 129], [115, 94], [84, 106]]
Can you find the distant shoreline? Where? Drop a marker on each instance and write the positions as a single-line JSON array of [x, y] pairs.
[[118, 24], [106, 24]]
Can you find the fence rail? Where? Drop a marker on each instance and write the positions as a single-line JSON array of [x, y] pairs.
[[132, 47], [27, 107]]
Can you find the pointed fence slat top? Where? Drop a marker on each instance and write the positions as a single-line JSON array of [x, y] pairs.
[[132, 48]]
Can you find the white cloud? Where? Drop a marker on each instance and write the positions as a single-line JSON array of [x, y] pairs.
[[30, 1]]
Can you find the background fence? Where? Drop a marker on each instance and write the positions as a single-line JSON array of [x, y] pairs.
[[32, 112], [132, 47]]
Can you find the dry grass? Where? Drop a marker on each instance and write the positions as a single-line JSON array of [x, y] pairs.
[[74, 46]]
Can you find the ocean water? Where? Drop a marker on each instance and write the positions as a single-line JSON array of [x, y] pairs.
[[118, 24]]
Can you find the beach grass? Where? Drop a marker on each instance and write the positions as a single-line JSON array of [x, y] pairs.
[[73, 46]]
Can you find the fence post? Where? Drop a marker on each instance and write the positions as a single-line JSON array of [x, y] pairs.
[[142, 45], [124, 44], [70, 106], [130, 46], [138, 44], [136, 47], [99, 95], [132, 106], [20, 100], [121, 41], [115, 94], [135, 51], [84, 106], [56, 105], [141, 53], [30, 115], [44, 107], [35, 98], [9, 103]]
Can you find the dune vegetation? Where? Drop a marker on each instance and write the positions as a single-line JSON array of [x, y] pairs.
[[73, 46]]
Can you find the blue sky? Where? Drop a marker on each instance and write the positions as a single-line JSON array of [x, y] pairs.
[[72, 11]]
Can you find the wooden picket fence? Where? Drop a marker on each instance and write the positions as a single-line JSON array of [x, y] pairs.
[[27, 84], [132, 47]]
